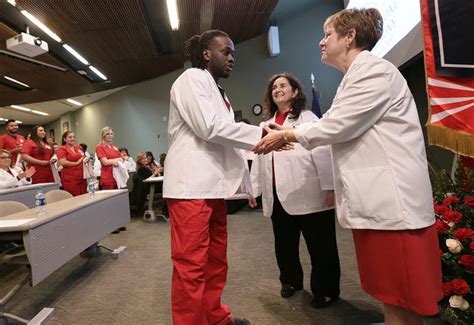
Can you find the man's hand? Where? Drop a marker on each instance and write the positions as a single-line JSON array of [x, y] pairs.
[[274, 140]]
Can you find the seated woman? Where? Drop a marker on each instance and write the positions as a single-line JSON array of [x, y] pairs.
[[152, 163], [11, 176], [128, 161], [140, 189]]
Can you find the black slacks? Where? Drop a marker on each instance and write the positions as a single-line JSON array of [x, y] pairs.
[[319, 232]]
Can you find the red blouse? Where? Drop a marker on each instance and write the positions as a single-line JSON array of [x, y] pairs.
[[43, 173], [106, 172]]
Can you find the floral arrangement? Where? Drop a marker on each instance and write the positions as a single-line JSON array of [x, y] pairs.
[[454, 204]]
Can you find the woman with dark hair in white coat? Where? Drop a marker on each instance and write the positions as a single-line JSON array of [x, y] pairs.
[[297, 190]]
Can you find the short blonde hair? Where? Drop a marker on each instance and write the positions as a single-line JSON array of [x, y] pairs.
[[140, 156], [9, 154]]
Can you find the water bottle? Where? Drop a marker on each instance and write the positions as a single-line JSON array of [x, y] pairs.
[[40, 201], [91, 186]]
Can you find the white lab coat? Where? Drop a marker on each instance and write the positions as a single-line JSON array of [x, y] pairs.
[[203, 161], [380, 167], [131, 165], [302, 177], [8, 181]]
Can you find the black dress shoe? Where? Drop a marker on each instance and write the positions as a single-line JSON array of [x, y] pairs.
[[288, 290], [239, 321], [321, 301]]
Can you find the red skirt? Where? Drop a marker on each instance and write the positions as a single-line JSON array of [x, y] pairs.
[[401, 267]]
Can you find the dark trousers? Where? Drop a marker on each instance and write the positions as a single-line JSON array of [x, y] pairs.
[[319, 232]]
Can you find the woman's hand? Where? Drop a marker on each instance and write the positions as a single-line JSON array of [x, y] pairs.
[[252, 202], [27, 173], [86, 160], [330, 200], [52, 161], [274, 140]]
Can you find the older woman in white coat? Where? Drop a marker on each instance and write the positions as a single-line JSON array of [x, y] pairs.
[[383, 191], [297, 190], [11, 176]]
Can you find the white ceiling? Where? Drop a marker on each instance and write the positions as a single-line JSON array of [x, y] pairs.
[[54, 108]]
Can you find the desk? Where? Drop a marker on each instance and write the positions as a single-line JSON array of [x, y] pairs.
[[26, 193], [149, 214], [66, 228]]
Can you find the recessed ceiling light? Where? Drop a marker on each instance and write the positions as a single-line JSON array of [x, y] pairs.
[[97, 72], [19, 122], [21, 108], [12, 2], [173, 14], [76, 55], [72, 101], [16, 81], [39, 113], [42, 26]]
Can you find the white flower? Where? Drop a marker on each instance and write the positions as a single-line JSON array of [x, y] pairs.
[[454, 246], [458, 302]]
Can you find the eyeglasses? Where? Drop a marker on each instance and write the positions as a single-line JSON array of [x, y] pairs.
[[6, 158]]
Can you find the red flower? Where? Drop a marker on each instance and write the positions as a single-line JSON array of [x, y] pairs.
[[464, 233], [452, 216], [440, 209], [450, 200], [456, 286], [469, 201], [460, 287], [467, 261], [442, 226]]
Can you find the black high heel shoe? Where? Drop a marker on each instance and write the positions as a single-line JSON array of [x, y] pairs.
[[321, 301]]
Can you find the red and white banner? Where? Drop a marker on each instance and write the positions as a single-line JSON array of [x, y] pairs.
[[448, 32]]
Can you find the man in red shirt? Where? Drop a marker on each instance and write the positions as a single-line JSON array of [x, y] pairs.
[[11, 140]]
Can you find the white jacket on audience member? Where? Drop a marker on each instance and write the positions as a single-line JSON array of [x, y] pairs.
[[302, 177], [7, 180], [203, 161]]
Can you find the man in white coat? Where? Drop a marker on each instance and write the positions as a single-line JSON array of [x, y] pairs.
[[203, 166]]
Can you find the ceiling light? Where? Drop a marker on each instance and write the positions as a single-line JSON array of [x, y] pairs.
[[2, 119], [173, 14], [72, 101], [76, 55], [20, 108], [18, 121], [97, 72], [39, 113], [16, 81], [45, 29], [12, 2]]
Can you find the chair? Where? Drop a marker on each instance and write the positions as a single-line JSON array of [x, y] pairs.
[[11, 207], [57, 195]]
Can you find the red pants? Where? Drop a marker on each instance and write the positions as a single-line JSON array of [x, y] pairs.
[[199, 255]]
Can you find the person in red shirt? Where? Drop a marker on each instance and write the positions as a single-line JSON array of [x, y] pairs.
[[37, 153], [72, 158], [109, 155], [11, 140]]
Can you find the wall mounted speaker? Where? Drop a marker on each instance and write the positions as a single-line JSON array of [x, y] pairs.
[[273, 41]]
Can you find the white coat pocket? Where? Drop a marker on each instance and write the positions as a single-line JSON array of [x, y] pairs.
[[371, 193]]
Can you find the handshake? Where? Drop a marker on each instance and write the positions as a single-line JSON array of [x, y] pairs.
[[275, 138]]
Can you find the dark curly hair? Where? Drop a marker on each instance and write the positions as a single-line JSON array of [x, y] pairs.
[[195, 46], [298, 103], [36, 139]]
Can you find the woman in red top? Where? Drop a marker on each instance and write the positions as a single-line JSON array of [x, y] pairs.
[[72, 158], [37, 153], [109, 156]]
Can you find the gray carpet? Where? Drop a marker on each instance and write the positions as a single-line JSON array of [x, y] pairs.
[[135, 289]]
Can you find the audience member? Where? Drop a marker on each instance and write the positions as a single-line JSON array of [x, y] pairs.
[[11, 140], [11, 176], [37, 153], [383, 190], [297, 189], [128, 161], [72, 158], [140, 189]]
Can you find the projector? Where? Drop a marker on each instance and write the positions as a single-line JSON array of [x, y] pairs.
[[27, 45]]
